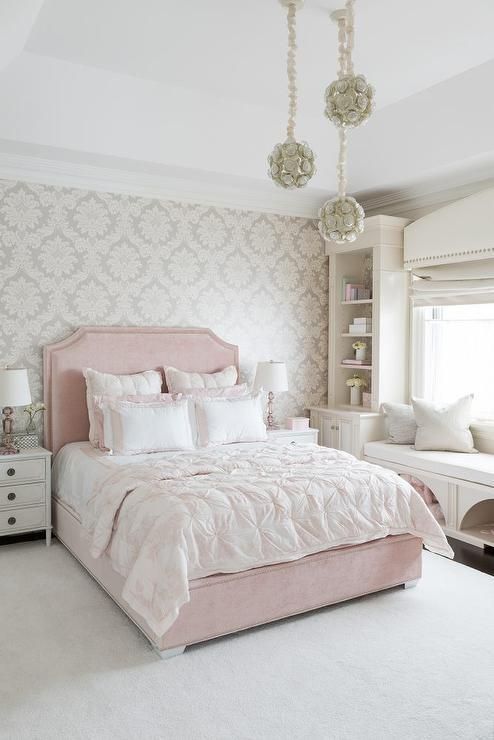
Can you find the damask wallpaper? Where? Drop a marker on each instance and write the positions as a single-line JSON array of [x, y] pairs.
[[72, 257]]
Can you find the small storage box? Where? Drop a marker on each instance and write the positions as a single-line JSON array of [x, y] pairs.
[[366, 400], [297, 423]]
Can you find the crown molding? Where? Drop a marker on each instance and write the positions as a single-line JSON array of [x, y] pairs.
[[66, 168], [428, 196], [160, 182]]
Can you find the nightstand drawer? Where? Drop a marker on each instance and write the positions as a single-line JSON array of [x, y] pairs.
[[303, 439], [15, 519], [15, 471], [29, 493]]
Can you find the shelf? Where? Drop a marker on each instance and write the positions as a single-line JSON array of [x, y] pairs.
[[481, 532], [357, 303], [348, 407], [363, 334], [356, 367]]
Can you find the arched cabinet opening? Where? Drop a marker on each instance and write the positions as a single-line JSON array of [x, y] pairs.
[[427, 495], [479, 521]]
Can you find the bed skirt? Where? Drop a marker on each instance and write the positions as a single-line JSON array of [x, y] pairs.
[[226, 603]]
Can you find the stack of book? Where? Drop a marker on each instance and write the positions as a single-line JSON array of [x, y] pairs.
[[355, 291], [360, 326], [352, 362]]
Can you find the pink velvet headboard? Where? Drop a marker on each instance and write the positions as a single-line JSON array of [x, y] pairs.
[[122, 350]]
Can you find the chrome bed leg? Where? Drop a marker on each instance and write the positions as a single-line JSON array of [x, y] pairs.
[[411, 584], [170, 653]]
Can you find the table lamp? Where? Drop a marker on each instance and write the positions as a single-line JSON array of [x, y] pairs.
[[271, 377], [14, 391]]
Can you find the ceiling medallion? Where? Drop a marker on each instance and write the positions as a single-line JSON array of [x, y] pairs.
[[349, 103], [291, 164]]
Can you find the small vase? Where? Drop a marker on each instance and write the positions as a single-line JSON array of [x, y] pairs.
[[354, 396], [31, 426], [360, 354]]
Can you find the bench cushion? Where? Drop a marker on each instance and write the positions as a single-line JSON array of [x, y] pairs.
[[474, 468]]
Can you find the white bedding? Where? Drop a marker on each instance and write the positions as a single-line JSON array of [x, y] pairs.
[[78, 468], [186, 515]]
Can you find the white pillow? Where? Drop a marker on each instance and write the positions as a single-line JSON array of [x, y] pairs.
[[134, 428], [222, 421], [179, 380], [106, 384], [401, 423], [445, 427]]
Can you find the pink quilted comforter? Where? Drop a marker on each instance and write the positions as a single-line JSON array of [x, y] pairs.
[[194, 514]]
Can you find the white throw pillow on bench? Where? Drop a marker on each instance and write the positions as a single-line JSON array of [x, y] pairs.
[[401, 424], [444, 427]]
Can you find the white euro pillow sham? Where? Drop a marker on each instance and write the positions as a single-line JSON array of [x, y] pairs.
[[222, 421], [444, 427], [136, 428], [178, 381], [107, 384]]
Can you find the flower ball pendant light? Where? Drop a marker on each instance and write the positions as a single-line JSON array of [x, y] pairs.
[[349, 103], [291, 164], [350, 98]]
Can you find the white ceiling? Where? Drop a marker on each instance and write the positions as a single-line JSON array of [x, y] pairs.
[[236, 49], [201, 84]]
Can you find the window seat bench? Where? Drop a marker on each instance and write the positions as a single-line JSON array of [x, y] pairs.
[[462, 483]]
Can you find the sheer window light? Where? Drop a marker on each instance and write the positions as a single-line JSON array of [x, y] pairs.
[[454, 354]]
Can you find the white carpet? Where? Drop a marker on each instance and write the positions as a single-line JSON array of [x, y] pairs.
[[401, 664]]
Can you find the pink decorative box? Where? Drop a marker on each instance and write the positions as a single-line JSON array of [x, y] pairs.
[[367, 400], [297, 423]]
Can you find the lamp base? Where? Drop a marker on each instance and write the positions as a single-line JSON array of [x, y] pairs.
[[9, 449]]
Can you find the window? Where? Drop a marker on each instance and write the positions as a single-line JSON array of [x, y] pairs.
[[453, 354]]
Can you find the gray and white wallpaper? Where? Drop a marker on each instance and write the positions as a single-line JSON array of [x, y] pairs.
[[70, 257]]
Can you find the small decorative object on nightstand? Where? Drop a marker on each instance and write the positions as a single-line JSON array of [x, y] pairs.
[[14, 391], [297, 423], [271, 377], [25, 493]]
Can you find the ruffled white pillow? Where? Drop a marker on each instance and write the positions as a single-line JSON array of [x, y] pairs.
[[444, 427], [179, 380]]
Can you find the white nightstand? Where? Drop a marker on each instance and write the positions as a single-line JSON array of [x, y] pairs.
[[289, 436], [25, 492]]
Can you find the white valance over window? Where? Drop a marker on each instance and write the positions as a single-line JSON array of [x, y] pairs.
[[460, 232]]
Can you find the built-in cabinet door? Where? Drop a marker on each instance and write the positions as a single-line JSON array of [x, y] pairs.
[[345, 435], [329, 432], [337, 432]]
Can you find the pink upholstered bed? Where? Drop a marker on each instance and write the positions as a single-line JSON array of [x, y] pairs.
[[223, 603]]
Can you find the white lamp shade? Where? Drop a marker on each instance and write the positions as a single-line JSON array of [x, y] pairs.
[[271, 376], [14, 387]]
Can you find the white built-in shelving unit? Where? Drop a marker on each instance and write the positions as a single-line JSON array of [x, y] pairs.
[[374, 259]]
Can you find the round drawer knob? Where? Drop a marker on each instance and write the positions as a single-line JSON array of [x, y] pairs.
[[11, 496], [12, 520], [11, 471]]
